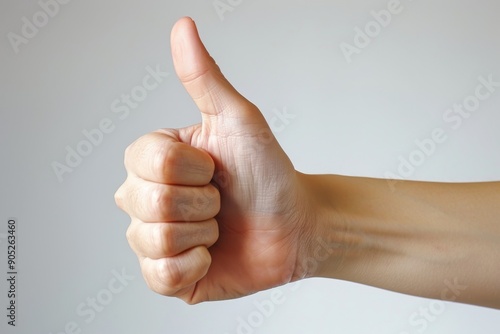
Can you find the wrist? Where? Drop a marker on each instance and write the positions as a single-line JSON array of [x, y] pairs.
[[365, 230], [325, 229], [414, 240], [361, 229]]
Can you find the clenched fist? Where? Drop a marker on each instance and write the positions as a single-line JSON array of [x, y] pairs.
[[218, 210]]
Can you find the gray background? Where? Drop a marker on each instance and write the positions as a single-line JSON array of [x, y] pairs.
[[353, 118]]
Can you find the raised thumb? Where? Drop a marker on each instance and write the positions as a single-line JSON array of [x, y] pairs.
[[202, 78]]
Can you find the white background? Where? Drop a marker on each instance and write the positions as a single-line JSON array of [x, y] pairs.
[[354, 118]]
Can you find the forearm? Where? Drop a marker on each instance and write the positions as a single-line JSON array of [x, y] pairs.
[[436, 240]]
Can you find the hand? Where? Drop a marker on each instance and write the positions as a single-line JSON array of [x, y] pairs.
[[218, 210]]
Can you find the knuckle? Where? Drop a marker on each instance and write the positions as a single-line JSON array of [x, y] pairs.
[[201, 204], [130, 235], [158, 160], [170, 274], [129, 155], [163, 157], [119, 198], [161, 201], [164, 238], [122, 196], [172, 153]]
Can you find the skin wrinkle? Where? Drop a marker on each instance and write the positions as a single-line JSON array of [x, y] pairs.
[[272, 218]]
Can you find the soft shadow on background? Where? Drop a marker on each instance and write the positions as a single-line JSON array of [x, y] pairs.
[[359, 92]]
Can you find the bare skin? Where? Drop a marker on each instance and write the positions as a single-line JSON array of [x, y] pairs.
[[218, 210]]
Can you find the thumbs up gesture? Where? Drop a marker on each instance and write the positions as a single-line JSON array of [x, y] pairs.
[[218, 210]]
